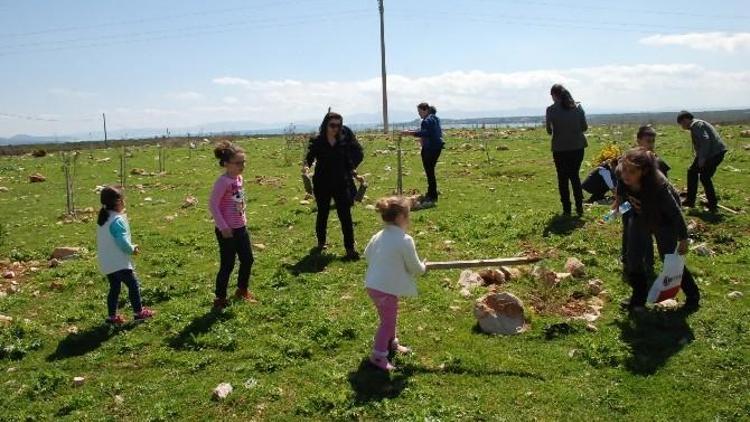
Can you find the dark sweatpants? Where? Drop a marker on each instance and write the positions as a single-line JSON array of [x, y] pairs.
[[705, 175], [568, 165], [638, 238], [238, 245], [342, 198], [429, 162]]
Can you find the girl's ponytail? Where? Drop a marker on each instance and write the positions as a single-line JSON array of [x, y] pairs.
[[109, 197]]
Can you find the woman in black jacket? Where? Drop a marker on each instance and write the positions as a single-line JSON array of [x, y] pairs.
[[656, 212], [336, 155], [566, 122]]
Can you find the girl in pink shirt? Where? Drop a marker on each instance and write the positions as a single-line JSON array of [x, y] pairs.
[[227, 205]]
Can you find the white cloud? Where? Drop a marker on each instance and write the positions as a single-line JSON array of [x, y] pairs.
[[639, 87], [728, 42], [186, 96], [71, 93], [613, 87]]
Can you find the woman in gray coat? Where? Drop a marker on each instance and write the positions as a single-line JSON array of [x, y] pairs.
[[566, 122]]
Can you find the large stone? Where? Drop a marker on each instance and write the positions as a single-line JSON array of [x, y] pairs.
[[36, 178], [595, 286], [190, 201], [745, 133], [492, 276], [500, 313], [4, 189], [5, 320], [575, 267], [511, 273], [222, 391], [66, 252], [468, 281]]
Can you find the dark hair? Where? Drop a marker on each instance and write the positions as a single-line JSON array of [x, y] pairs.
[[566, 99], [331, 115], [651, 180], [109, 197], [684, 114], [425, 106], [392, 206], [225, 151], [644, 131]]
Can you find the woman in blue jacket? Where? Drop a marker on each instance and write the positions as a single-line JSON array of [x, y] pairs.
[[431, 137]]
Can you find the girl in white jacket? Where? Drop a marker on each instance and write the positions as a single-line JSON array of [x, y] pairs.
[[392, 265]]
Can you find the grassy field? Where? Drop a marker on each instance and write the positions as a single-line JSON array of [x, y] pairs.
[[300, 353]]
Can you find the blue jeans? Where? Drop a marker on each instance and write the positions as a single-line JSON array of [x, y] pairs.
[[134, 291]]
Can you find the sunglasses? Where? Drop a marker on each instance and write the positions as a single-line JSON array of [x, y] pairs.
[[334, 125]]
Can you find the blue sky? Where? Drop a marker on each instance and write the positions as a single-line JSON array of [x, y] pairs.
[[188, 63]]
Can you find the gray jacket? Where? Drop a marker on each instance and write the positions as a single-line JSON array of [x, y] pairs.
[[707, 142], [566, 127]]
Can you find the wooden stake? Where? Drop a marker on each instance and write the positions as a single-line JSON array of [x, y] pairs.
[[445, 265]]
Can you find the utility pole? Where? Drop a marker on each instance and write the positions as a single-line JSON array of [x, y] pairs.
[[104, 119], [382, 68]]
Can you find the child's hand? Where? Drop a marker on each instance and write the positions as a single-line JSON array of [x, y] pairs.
[[305, 169], [227, 234], [424, 262], [682, 247], [136, 250]]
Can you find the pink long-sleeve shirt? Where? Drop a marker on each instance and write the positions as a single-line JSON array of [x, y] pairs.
[[227, 203]]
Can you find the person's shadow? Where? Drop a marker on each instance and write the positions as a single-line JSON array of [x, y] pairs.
[[186, 338], [314, 262], [373, 384], [654, 337], [562, 225], [78, 344]]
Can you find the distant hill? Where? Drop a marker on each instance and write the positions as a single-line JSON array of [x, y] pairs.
[[364, 122], [30, 139]]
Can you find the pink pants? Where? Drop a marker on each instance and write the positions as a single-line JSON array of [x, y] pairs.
[[387, 306]]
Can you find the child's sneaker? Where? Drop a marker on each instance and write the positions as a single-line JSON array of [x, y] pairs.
[[220, 303], [381, 362], [145, 313], [397, 347], [115, 320], [245, 295]]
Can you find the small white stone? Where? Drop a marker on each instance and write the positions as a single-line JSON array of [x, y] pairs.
[[734, 295], [78, 381], [222, 391]]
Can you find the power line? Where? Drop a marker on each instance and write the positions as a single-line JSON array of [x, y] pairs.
[[610, 9], [148, 20], [187, 29], [547, 22], [182, 33]]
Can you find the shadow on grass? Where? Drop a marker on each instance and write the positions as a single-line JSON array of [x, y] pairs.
[[314, 262], [706, 216], [562, 225], [186, 339], [653, 338], [372, 384], [87, 341]]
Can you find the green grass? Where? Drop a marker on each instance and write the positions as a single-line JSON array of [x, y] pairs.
[[301, 351]]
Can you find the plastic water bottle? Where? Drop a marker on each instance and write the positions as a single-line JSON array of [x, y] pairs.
[[625, 207], [613, 214]]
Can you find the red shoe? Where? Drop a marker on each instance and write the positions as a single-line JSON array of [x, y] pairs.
[[220, 303], [245, 295], [145, 313], [115, 320]]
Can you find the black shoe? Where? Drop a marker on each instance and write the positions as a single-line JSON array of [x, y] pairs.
[[351, 255]]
